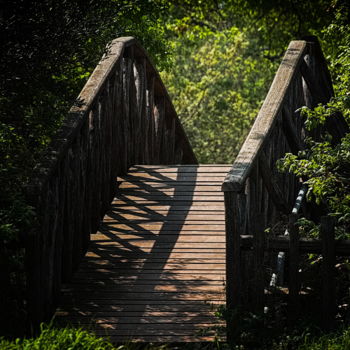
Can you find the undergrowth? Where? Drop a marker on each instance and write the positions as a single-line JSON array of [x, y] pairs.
[[78, 339]]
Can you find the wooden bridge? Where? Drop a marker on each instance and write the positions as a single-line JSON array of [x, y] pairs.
[[179, 239]]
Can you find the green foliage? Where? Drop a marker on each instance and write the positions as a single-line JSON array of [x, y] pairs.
[[49, 49], [59, 339], [217, 88], [337, 341], [224, 57], [323, 166]]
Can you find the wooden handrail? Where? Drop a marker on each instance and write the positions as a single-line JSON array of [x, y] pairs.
[[256, 194], [123, 116], [267, 117]]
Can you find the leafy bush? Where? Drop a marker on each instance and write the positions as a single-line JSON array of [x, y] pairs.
[[51, 338], [325, 167], [49, 48], [59, 339]]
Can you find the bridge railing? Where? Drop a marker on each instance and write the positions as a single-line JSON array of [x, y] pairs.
[[256, 194], [123, 116]]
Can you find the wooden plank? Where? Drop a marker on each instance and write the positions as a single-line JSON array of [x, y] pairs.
[[147, 309], [163, 239], [177, 173], [171, 186], [170, 255], [137, 198], [159, 338], [132, 310], [190, 179], [157, 282], [206, 168], [158, 260], [159, 216], [162, 330], [155, 249], [165, 227], [156, 297], [125, 312], [281, 243], [167, 277], [164, 212], [144, 244], [130, 223], [141, 288], [178, 206], [145, 323], [107, 264], [110, 303], [166, 193]]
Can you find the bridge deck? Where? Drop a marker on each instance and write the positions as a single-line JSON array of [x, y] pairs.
[[155, 270]]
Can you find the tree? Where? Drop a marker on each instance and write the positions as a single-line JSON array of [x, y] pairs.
[[48, 50]]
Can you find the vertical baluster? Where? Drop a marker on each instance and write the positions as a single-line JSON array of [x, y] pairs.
[[328, 272], [120, 145], [75, 182], [44, 251], [126, 110], [294, 280], [233, 258], [151, 119], [171, 159], [95, 166], [85, 188], [258, 287], [139, 73], [67, 223], [159, 127]]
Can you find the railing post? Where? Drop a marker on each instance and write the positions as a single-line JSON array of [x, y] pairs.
[[258, 249], [294, 283], [328, 272], [233, 256]]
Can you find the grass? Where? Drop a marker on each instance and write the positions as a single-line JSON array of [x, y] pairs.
[[51, 338], [58, 339]]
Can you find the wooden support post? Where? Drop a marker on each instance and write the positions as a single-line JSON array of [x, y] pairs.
[[328, 272], [316, 92], [294, 283], [258, 249], [289, 131], [233, 256], [271, 184]]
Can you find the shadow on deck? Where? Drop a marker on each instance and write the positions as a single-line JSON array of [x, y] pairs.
[[155, 270]]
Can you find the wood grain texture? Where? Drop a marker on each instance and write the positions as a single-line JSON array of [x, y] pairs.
[[123, 116], [258, 189], [156, 272], [267, 116]]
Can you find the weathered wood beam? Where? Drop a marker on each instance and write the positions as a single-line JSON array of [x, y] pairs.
[[271, 184], [306, 245], [289, 131], [233, 258], [266, 119], [314, 88], [111, 126]]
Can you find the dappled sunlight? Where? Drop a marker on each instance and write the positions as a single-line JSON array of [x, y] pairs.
[[156, 266]]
